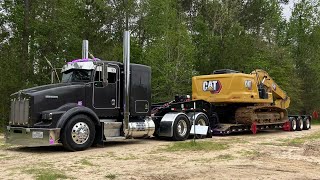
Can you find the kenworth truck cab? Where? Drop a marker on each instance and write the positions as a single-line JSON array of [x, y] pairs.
[[87, 101]]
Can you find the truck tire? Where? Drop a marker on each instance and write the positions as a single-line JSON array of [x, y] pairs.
[[293, 124], [299, 124], [78, 133], [181, 128], [203, 121], [306, 123]]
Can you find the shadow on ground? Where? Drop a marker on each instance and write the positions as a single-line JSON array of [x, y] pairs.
[[60, 149]]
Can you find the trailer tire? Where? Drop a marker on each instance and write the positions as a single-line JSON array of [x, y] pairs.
[[203, 121], [306, 123], [299, 124], [78, 133], [293, 124], [181, 128]]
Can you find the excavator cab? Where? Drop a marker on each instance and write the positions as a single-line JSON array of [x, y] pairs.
[[263, 94]]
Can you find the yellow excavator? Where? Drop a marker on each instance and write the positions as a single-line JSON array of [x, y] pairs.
[[247, 99], [229, 101]]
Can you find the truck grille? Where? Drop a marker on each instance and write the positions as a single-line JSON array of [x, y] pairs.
[[19, 112]]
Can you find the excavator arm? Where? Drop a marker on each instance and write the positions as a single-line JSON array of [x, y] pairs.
[[280, 97]]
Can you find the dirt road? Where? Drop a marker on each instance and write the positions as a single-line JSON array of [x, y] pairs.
[[266, 155]]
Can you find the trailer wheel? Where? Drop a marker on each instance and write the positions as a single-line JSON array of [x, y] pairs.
[[306, 123], [181, 128], [299, 124], [201, 120], [78, 134], [293, 124]]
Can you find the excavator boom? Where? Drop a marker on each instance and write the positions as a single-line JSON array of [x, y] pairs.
[[280, 97]]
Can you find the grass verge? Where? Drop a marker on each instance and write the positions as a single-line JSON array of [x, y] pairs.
[[47, 174], [315, 122], [197, 146], [301, 140], [86, 162], [250, 153], [3, 144], [111, 176], [225, 157], [129, 157]]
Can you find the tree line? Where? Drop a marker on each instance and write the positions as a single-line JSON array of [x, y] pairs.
[[177, 38]]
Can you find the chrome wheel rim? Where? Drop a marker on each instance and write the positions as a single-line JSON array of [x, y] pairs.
[[308, 123], [80, 133], [294, 125], [182, 128], [201, 122]]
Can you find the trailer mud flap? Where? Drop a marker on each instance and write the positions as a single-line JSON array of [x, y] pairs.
[[166, 129]]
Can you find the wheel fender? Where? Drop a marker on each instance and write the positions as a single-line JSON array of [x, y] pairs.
[[78, 110], [194, 115], [166, 123]]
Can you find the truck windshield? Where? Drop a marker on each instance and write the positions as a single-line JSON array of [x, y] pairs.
[[76, 75]]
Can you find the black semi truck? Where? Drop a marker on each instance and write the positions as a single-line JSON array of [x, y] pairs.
[[96, 101]]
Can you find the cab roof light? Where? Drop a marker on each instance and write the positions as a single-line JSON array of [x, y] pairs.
[[83, 60]]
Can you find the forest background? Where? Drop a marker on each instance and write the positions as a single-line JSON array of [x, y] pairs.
[[177, 38]]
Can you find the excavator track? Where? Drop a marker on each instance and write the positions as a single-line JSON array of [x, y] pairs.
[[260, 115]]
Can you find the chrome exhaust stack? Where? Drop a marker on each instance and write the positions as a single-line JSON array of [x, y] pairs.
[[132, 129], [85, 49], [126, 64]]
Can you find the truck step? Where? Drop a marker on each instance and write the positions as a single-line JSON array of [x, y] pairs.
[[117, 138], [111, 129], [108, 120]]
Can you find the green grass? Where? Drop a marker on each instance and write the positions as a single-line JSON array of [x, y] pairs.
[[301, 140], [250, 153], [234, 141], [3, 144], [111, 176], [197, 146], [86, 162], [129, 157], [158, 158], [225, 157], [272, 143], [46, 174], [315, 122]]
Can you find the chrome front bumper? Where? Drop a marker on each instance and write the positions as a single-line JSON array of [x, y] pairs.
[[32, 136]]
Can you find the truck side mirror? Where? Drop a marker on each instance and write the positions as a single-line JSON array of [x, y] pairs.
[[105, 73]]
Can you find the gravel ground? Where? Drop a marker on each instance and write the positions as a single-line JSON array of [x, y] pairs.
[[266, 155]]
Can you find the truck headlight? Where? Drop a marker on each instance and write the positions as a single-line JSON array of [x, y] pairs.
[[47, 116]]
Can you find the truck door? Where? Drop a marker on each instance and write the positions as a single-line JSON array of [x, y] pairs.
[[105, 95]]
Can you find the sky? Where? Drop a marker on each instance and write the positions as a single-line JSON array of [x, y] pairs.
[[287, 9]]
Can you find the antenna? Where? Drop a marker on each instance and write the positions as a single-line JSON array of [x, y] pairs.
[[53, 70]]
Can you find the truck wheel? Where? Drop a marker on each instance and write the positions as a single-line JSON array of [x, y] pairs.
[[181, 128], [78, 134], [201, 120], [299, 124], [293, 124], [306, 123]]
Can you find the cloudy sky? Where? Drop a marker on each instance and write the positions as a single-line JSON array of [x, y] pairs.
[[288, 8]]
